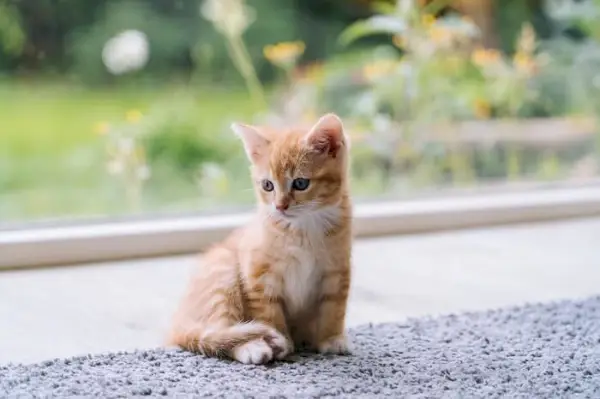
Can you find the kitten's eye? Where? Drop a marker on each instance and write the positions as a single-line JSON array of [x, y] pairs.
[[267, 185], [300, 184]]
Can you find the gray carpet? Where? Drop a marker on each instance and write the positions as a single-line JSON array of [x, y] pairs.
[[543, 351]]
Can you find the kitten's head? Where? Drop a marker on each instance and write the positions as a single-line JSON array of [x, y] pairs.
[[298, 172]]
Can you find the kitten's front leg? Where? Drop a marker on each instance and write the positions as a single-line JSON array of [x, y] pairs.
[[331, 316], [268, 308]]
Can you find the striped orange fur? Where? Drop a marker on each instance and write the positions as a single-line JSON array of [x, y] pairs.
[[282, 280]]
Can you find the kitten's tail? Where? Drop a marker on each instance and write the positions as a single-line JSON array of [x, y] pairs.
[[220, 341]]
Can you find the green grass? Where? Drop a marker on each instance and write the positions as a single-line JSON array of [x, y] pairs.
[[52, 161], [54, 119]]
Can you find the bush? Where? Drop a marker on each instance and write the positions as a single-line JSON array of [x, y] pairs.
[[179, 143]]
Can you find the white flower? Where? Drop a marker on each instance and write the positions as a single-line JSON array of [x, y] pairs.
[[231, 17], [125, 145], [365, 104], [212, 171], [143, 172], [382, 123], [126, 52], [405, 7], [115, 167]]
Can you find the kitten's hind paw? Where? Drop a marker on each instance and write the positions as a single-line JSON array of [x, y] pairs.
[[337, 345], [253, 352]]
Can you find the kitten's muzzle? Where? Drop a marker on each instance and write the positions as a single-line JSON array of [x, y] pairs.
[[282, 206]]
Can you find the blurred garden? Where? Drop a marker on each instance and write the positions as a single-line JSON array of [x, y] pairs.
[[120, 108]]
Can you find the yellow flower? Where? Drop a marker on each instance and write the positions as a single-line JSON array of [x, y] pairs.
[[101, 128], [482, 108], [524, 63], [133, 116], [483, 57], [440, 35], [527, 39], [399, 41], [378, 69], [313, 72], [427, 20], [285, 53]]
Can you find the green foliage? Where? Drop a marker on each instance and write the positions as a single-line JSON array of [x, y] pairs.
[[378, 24], [577, 62], [510, 19], [180, 143], [407, 100], [12, 36], [587, 20]]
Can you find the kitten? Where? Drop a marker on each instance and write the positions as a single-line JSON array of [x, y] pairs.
[[281, 281]]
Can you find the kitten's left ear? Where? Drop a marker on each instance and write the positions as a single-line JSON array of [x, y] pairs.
[[327, 135]]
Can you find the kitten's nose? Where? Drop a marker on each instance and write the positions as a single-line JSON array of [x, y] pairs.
[[283, 206]]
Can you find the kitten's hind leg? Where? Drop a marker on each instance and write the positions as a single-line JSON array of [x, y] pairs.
[[269, 310]]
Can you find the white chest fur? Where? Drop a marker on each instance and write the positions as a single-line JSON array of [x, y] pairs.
[[301, 276], [302, 266]]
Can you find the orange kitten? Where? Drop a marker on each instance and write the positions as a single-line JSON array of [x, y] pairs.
[[282, 280]]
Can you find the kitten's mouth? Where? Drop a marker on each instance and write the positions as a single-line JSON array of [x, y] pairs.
[[286, 214]]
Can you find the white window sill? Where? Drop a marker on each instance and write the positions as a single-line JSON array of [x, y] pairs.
[[63, 245]]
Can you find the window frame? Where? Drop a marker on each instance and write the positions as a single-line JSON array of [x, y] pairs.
[[120, 240]]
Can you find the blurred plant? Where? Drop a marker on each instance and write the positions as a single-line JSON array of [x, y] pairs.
[[174, 140], [581, 14], [284, 55], [430, 80], [12, 36], [482, 109], [167, 141], [231, 18], [214, 181], [126, 155], [508, 84], [578, 61], [440, 75]]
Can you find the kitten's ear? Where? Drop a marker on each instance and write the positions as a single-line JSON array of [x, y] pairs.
[[255, 144], [327, 135]]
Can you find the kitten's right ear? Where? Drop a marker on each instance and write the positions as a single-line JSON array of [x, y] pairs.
[[255, 144]]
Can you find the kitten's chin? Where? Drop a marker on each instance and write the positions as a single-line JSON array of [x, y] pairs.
[[314, 220], [286, 216]]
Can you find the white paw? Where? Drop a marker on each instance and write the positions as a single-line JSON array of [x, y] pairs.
[[281, 345], [337, 345], [253, 352]]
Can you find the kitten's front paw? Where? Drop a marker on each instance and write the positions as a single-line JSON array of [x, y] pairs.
[[280, 345], [253, 352], [336, 345]]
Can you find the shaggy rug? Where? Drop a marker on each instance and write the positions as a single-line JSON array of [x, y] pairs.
[[536, 351]]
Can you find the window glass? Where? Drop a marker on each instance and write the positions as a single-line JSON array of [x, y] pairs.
[[112, 109]]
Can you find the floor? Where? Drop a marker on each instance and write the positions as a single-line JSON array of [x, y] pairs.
[[121, 306]]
